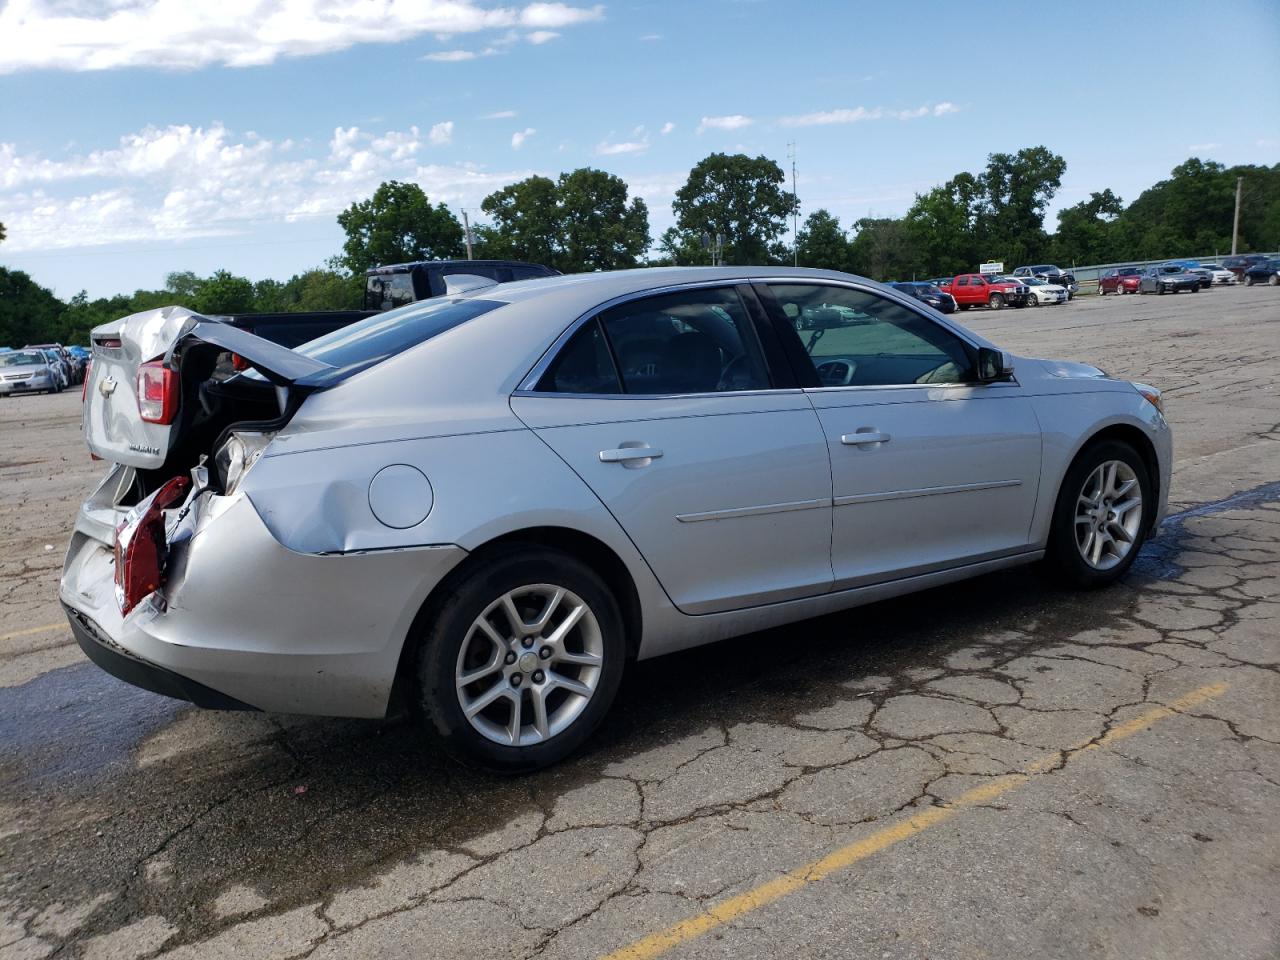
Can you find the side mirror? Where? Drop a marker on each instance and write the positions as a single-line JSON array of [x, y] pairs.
[[994, 365]]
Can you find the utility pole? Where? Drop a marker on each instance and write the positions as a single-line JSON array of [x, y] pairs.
[[466, 231], [795, 209], [1235, 225]]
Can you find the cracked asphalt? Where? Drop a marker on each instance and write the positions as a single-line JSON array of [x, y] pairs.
[[993, 769]]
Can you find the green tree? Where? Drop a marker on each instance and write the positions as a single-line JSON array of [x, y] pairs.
[[319, 289], [397, 224], [28, 311], [1015, 190], [1, 233], [881, 249], [580, 222], [599, 229], [525, 221], [1088, 232], [740, 198], [224, 292], [942, 227], [822, 242]]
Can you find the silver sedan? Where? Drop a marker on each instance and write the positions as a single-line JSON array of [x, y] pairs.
[[491, 502]]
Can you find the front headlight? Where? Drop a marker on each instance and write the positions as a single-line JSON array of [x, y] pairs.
[[1151, 395], [237, 455]]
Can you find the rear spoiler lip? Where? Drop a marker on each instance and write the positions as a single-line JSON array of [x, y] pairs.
[[280, 365]]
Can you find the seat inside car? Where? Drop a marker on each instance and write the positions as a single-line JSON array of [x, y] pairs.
[[691, 363]]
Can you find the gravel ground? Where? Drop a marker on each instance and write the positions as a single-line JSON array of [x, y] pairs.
[[995, 769]]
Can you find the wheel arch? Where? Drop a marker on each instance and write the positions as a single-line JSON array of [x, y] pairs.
[[1135, 437], [583, 546]]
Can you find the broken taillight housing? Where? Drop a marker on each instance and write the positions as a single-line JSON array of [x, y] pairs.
[[84, 384], [157, 392], [141, 549]]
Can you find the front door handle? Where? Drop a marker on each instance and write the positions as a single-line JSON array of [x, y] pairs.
[[631, 455], [864, 436]]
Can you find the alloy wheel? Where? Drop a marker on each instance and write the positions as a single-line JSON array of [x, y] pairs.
[[529, 665], [1108, 514]]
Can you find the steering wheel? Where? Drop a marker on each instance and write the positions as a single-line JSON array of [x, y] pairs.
[[837, 373]]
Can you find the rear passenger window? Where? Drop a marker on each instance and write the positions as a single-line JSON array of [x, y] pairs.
[[583, 366], [694, 341]]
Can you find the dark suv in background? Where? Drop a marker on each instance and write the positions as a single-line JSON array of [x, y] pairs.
[[1238, 265], [927, 293], [399, 284]]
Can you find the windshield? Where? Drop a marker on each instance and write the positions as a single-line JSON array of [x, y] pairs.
[[1172, 268], [374, 339], [21, 358]]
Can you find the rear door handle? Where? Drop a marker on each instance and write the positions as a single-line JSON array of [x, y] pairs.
[[864, 436], [631, 456]]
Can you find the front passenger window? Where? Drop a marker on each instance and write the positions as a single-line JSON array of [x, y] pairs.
[[856, 338]]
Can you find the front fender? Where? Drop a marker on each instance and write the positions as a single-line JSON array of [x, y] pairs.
[[1070, 420]]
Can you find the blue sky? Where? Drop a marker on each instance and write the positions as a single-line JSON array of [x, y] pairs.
[[143, 136]]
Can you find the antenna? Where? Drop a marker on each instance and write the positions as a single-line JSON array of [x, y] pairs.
[[795, 208]]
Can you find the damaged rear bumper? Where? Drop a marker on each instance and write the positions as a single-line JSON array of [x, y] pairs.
[[246, 623]]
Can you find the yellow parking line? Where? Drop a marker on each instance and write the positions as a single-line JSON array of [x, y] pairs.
[[659, 943], [30, 630]]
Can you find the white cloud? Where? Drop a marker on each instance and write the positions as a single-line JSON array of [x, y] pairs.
[[733, 122], [451, 56], [667, 127], [178, 34], [542, 36], [1204, 147], [520, 136], [182, 182], [441, 133], [861, 114], [607, 149], [650, 37], [499, 115]]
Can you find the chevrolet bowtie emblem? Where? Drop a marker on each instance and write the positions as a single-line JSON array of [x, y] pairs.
[[107, 387]]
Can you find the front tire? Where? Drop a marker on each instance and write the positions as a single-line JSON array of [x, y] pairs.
[[1102, 515], [996, 301], [519, 664], [1274, 280], [1033, 301], [1248, 281]]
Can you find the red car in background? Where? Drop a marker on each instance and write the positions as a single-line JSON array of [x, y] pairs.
[[1121, 280], [976, 289]]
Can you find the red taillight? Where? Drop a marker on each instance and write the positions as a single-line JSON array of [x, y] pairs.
[[141, 549], [84, 384], [239, 363], [157, 392]]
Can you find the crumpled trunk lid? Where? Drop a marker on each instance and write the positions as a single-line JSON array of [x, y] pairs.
[[113, 429]]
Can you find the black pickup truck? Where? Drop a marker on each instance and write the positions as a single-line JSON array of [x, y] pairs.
[[385, 288]]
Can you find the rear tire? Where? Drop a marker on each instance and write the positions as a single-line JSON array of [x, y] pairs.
[[1248, 281], [549, 705], [1274, 280], [1090, 543]]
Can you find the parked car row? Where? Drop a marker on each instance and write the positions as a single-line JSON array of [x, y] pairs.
[[32, 370], [1176, 276]]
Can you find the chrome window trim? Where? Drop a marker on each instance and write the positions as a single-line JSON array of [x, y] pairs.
[[528, 384]]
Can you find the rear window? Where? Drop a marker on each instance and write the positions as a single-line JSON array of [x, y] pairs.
[[374, 339]]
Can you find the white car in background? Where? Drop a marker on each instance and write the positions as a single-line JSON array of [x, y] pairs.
[[1221, 275], [1042, 291]]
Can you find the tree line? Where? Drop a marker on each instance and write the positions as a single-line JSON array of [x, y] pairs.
[[585, 220]]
